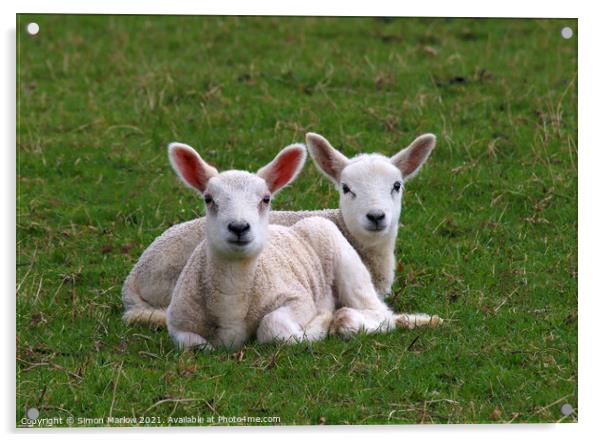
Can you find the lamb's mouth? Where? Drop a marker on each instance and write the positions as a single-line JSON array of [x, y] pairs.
[[239, 242], [378, 228]]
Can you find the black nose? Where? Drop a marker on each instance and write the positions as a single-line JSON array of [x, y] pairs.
[[239, 228], [376, 216]]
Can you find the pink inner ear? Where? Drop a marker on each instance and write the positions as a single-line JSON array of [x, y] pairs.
[[412, 161], [325, 157], [415, 158], [284, 169], [190, 168]]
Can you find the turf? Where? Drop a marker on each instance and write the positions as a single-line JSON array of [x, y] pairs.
[[490, 225]]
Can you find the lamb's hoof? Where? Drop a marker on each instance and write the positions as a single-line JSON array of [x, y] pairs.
[[154, 317], [344, 323], [419, 320], [191, 341], [436, 321]]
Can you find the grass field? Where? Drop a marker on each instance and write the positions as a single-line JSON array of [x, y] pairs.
[[490, 225]]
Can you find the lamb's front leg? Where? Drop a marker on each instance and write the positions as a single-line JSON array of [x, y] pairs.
[[189, 341], [363, 310], [186, 316], [294, 323], [185, 320], [407, 320], [183, 326], [354, 284], [349, 321]]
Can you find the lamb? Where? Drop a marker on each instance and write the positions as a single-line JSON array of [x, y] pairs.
[[248, 278], [370, 188]]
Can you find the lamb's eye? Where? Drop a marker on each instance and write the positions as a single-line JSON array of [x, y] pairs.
[[346, 188], [397, 186], [266, 199], [208, 199]]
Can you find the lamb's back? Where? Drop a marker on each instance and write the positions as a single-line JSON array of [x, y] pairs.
[[291, 217]]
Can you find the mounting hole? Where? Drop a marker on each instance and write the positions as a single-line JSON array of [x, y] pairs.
[[32, 413], [33, 28], [566, 32], [566, 409]]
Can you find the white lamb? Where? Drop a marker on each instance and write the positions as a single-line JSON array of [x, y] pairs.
[[248, 278], [370, 188]]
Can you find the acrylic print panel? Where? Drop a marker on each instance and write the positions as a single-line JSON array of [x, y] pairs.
[[487, 241]]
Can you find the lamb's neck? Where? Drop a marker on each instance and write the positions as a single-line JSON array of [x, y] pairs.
[[231, 277], [379, 258]]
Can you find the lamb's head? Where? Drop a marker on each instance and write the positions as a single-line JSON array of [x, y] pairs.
[[237, 203], [370, 185]]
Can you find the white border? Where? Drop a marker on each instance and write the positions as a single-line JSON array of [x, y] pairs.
[[590, 76]]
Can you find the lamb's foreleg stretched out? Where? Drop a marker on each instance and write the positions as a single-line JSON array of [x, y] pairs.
[[363, 309]]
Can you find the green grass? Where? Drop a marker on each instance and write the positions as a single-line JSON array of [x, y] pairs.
[[490, 235]]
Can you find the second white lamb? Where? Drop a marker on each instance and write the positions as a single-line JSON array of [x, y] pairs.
[[248, 278]]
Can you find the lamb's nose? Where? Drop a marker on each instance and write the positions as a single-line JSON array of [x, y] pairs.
[[239, 228], [376, 216]]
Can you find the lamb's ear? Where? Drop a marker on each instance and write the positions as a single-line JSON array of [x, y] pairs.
[[411, 159], [190, 167], [284, 168], [329, 160]]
